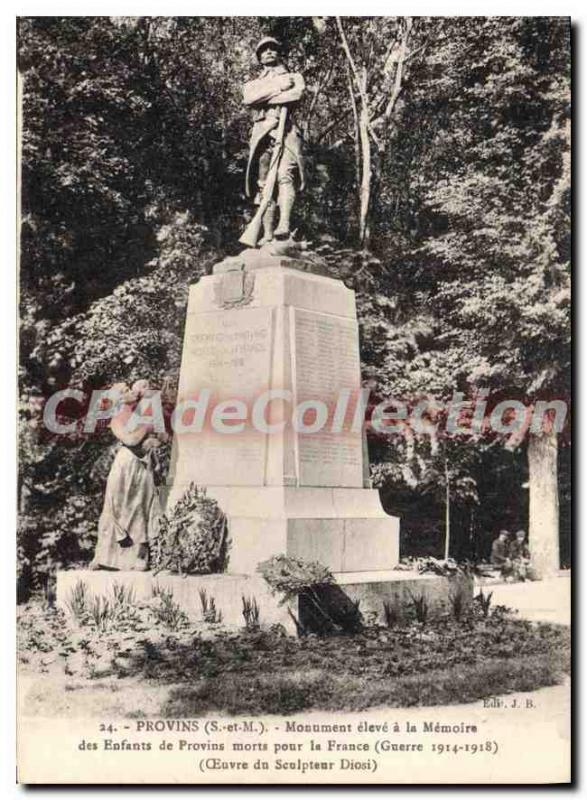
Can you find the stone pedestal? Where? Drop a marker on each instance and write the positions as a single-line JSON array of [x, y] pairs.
[[380, 595], [277, 326], [261, 324], [344, 529]]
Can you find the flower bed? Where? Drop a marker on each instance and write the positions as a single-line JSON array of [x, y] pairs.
[[207, 666]]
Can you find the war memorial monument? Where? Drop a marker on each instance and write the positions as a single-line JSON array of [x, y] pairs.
[[274, 342]]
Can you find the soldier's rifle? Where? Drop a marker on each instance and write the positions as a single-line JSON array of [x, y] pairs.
[[250, 236]]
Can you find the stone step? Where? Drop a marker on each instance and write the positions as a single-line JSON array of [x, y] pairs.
[[396, 589]]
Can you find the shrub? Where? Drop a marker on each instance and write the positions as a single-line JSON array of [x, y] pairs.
[[324, 607], [251, 613], [209, 611], [390, 614], [484, 601], [77, 600], [192, 537], [420, 606], [458, 602], [123, 597], [102, 612], [166, 611], [49, 542]]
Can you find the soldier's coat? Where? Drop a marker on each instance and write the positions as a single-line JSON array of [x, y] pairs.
[[266, 119]]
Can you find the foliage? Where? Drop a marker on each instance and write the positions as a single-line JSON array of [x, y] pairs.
[[420, 607], [61, 484], [124, 596], [484, 601], [323, 607], [166, 610], [251, 613], [447, 568], [290, 577], [192, 536], [209, 611], [98, 633], [77, 600], [101, 611], [390, 614], [458, 601], [265, 672]]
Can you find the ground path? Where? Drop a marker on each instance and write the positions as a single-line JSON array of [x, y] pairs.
[[540, 601]]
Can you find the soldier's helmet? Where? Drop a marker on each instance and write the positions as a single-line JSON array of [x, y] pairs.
[[268, 40]]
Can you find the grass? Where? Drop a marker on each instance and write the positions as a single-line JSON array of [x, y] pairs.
[[292, 693], [77, 601], [190, 668]]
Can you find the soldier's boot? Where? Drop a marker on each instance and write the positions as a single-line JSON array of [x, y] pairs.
[[268, 223], [285, 200]]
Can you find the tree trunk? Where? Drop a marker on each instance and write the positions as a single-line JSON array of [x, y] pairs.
[[355, 126], [366, 173], [544, 511], [364, 131]]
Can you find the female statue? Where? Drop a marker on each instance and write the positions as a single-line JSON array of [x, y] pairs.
[[131, 512]]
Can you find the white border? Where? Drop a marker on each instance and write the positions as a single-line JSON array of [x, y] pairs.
[[301, 8]]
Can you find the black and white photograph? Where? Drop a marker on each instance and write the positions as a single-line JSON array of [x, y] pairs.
[[294, 399]]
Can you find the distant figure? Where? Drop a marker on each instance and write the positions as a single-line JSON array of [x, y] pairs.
[[131, 512], [519, 555], [500, 553]]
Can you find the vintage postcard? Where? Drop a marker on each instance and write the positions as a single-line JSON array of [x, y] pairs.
[[294, 396]]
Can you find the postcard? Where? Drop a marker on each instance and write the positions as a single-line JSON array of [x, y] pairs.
[[294, 400]]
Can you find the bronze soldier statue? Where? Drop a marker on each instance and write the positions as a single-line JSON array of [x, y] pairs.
[[275, 158]]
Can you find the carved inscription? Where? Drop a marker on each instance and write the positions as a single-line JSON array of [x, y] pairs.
[[229, 353], [326, 362]]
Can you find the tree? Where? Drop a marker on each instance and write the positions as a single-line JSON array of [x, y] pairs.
[[375, 84], [491, 254]]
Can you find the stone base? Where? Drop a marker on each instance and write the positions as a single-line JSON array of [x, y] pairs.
[[285, 255], [262, 323], [399, 588], [374, 590], [227, 591], [346, 530]]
